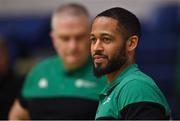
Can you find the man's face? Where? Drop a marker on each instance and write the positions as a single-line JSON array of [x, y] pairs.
[[108, 48], [71, 40]]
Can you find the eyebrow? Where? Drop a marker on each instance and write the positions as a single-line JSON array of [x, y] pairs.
[[91, 34], [106, 34], [103, 34]]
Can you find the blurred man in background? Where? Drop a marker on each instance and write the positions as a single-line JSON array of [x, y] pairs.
[[62, 87], [10, 84]]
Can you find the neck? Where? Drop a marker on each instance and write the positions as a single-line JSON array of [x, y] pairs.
[[113, 75]]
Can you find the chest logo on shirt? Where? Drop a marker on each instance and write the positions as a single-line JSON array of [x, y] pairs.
[[79, 83], [43, 83]]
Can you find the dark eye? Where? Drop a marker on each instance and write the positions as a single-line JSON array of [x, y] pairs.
[[93, 39], [106, 40]]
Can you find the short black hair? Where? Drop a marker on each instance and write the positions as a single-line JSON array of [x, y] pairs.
[[128, 23]]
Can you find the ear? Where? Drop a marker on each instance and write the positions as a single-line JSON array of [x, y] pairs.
[[53, 38], [51, 35], [132, 43]]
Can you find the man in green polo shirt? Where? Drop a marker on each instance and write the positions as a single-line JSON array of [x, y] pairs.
[[130, 94], [62, 87]]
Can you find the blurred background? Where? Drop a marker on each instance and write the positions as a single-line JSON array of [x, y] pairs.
[[24, 41]]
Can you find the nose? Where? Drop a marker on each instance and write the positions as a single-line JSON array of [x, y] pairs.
[[97, 46], [72, 44]]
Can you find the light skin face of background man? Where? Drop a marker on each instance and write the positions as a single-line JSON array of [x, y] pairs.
[[70, 37]]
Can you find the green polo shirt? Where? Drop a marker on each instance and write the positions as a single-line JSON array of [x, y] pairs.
[[52, 92], [130, 87], [51, 79]]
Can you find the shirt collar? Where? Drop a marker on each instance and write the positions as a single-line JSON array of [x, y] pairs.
[[128, 70]]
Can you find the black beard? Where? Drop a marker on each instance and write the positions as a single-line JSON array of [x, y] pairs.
[[114, 64]]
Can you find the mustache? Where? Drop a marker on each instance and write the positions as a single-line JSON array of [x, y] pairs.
[[100, 54]]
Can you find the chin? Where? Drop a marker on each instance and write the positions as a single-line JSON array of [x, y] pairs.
[[76, 63], [72, 60], [100, 65], [73, 63]]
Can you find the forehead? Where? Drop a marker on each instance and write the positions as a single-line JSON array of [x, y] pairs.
[[70, 24], [104, 25]]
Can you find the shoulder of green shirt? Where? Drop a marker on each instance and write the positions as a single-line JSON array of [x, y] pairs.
[[47, 63], [39, 70], [43, 65], [138, 87]]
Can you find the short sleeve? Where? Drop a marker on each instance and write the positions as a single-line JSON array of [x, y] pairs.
[[139, 91]]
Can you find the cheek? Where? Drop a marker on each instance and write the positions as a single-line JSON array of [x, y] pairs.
[[92, 49], [59, 47], [111, 51]]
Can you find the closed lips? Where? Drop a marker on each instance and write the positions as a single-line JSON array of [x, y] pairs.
[[99, 58]]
